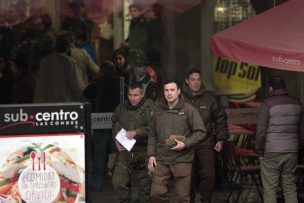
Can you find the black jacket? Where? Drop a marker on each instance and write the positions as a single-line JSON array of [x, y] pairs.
[[103, 93]]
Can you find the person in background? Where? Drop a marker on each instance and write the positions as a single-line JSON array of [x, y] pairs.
[[134, 116], [280, 132], [77, 18], [7, 37], [24, 82], [176, 128], [59, 79], [6, 78], [138, 62], [156, 37], [89, 69], [80, 40], [120, 59], [138, 30], [104, 95], [215, 120], [42, 40]]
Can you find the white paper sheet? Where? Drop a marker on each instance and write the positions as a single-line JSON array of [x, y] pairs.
[[122, 138]]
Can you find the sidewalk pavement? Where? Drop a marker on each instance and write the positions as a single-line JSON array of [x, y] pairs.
[[249, 194]]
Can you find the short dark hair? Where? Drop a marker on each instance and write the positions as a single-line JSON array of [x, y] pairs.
[[135, 85], [107, 68], [135, 5], [277, 82], [46, 20], [172, 80], [81, 35], [157, 9], [123, 52], [62, 43], [193, 70]]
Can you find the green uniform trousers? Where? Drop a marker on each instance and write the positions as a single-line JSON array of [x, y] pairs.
[[203, 173], [128, 163], [181, 173]]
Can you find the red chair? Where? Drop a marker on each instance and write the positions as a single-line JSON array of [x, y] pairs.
[[244, 171]]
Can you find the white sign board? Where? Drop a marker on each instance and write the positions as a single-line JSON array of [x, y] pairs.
[[242, 116], [45, 167], [101, 120]]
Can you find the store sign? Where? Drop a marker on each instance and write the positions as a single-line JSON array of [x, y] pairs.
[[42, 168], [101, 120], [238, 77], [53, 118], [242, 116]]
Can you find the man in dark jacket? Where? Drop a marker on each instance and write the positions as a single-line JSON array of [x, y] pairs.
[[215, 120], [133, 116], [156, 37], [104, 94], [279, 133], [176, 127], [138, 31]]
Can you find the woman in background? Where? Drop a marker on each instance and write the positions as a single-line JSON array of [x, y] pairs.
[[120, 59]]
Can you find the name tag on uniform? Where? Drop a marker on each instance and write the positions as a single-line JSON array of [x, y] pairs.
[[203, 107], [173, 111], [181, 113]]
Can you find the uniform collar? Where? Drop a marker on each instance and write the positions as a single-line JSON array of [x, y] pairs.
[[130, 106], [188, 92], [163, 102]]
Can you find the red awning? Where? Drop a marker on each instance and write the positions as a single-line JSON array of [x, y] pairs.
[[274, 38]]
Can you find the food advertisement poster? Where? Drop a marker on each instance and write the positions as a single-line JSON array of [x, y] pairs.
[[46, 168]]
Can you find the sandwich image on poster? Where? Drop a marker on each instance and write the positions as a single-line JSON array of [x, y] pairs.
[[42, 168]]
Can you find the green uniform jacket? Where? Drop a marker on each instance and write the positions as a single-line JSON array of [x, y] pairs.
[[184, 120], [136, 118], [212, 113]]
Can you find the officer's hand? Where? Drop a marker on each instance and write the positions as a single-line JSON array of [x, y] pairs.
[[120, 148], [131, 134], [152, 163], [179, 145], [218, 146]]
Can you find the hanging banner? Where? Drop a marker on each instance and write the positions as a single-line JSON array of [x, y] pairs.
[[242, 116], [237, 77], [42, 168]]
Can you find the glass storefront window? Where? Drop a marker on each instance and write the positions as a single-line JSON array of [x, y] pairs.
[[231, 12]]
